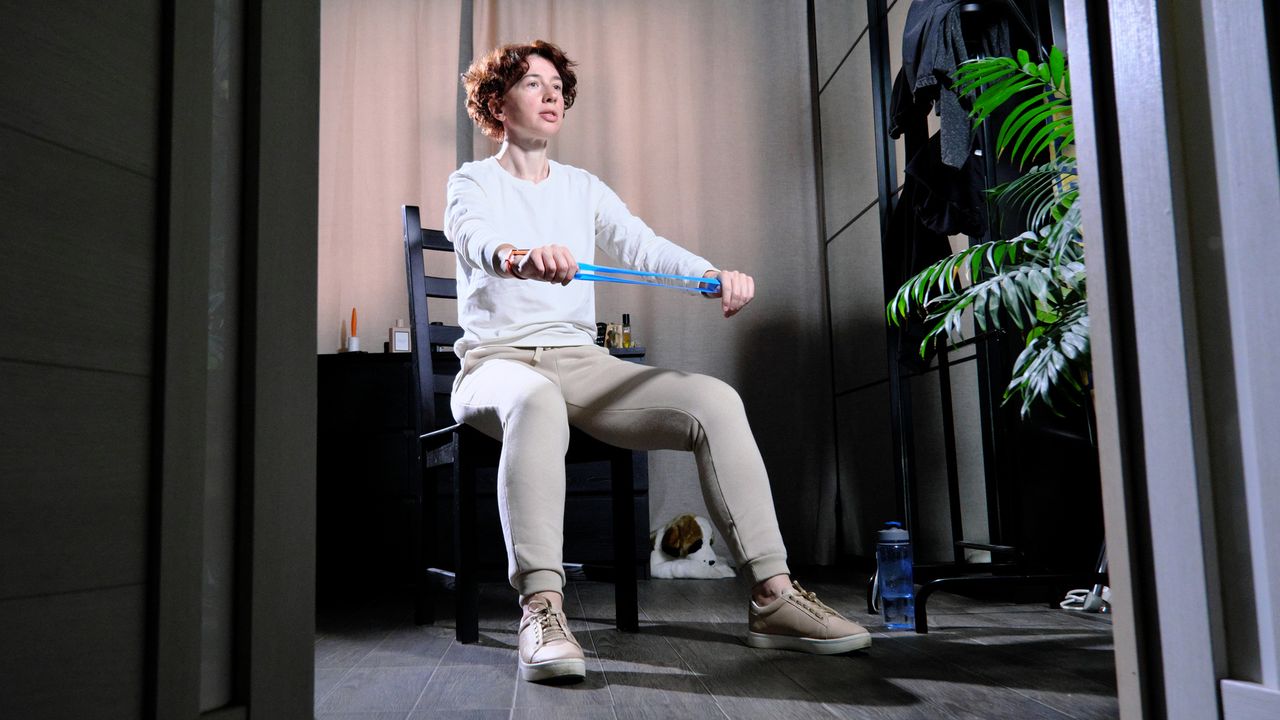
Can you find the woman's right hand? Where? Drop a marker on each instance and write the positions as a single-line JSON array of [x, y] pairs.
[[549, 263]]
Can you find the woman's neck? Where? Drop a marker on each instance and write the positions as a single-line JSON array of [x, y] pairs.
[[525, 162]]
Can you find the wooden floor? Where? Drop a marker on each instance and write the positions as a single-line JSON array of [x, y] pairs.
[[981, 660]]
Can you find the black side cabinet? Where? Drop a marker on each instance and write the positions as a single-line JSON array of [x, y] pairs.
[[367, 488]]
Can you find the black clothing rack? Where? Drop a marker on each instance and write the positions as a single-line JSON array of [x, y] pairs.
[[1008, 567]]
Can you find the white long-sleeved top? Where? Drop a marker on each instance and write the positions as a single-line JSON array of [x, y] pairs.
[[487, 206]]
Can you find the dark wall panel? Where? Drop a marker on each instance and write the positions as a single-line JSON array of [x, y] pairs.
[[848, 141], [79, 138], [74, 655], [76, 283], [86, 76], [857, 305], [73, 456], [839, 24], [932, 538], [866, 466]]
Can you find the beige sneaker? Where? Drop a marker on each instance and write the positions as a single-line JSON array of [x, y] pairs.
[[798, 620], [548, 651]]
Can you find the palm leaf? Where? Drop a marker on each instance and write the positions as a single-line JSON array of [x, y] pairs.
[[1057, 67], [1015, 291], [1053, 358], [1036, 118], [1018, 116], [1053, 133], [946, 277], [1063, 241], [1040, 192], [970, 76], [993, 82]]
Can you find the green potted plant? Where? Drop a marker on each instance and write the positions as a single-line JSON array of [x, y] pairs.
[[1036, 280]]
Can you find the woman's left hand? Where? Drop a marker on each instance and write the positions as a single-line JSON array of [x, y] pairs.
[[736, 290]]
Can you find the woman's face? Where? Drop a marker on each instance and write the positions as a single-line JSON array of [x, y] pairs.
[[534, 107]]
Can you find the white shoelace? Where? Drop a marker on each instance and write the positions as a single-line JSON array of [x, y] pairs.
[[551, 625], [813, 601]]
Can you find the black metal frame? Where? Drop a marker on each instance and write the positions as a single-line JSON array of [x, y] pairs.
[[899, 389]]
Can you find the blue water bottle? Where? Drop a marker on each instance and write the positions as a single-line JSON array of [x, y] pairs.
[[893, 569]]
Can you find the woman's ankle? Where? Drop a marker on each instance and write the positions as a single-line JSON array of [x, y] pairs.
[[768, 590], [551, 597]]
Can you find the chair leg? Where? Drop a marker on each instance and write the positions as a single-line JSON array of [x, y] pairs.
[[626, 598], [467, 588], [424, 605]]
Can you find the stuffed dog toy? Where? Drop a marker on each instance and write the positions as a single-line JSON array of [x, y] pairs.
[[682, 549]]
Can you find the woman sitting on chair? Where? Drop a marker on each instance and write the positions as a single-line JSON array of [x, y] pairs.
[[530, 367]]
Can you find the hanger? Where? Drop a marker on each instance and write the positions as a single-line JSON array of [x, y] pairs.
[[973, 7]]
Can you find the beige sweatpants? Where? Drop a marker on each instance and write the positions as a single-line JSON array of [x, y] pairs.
[[528, 397]]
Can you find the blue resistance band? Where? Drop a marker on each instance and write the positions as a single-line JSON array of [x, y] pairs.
[[593, 275]]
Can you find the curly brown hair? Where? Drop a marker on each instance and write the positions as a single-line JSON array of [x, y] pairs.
[[492, 75]]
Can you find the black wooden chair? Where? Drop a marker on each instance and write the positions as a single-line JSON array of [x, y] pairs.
[[463, 449]]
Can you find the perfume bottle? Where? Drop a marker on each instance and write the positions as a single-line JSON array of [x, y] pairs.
[[626, 330], [398, 337]]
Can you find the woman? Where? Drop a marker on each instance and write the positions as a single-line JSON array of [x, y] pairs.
[[530, 367]]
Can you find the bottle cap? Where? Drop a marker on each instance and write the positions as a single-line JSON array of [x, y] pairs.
[[626, 318], [893, 533]]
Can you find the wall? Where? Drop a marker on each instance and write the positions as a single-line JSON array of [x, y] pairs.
[[851, 232], [79, 122]]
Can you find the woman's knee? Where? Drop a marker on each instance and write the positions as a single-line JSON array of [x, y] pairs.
[[712, 400]]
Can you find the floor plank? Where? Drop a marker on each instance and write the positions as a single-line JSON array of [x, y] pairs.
[[326, 680], [470, 687], [377, 690], [597, 712], [362, 716], [459, 715], [344, 651], [642, 669], [409, 647], [703, 709]]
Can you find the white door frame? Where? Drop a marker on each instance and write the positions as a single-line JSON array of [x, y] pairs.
[[1181, 195], [275, 535], [1248, 169]]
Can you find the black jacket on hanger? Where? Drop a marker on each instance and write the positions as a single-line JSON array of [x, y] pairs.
[[933, 46], [942, 193]]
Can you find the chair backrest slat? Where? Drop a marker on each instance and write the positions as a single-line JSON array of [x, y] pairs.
[[435, 240], [438, 287], [425, 335], [445, 334]]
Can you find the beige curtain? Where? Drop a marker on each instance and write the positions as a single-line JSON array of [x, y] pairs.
[[388, 89], [698, 114]]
